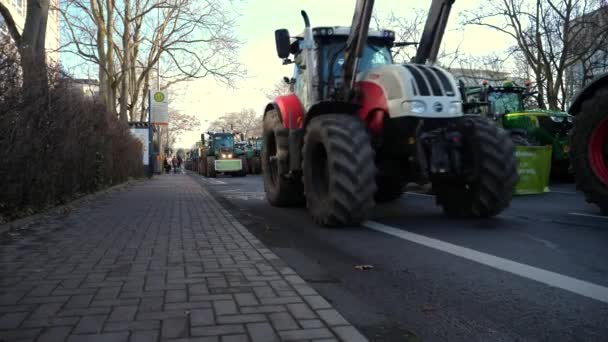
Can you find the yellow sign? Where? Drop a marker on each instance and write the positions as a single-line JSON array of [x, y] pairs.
[[159, 96]]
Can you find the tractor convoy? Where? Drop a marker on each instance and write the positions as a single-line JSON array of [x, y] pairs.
[[358, 127]]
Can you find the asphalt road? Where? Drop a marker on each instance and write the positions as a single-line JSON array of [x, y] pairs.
[[537, 272]]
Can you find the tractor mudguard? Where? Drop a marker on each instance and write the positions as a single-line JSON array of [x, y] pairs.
[[288, 105], [330, 107], [373, 105], [586, 92]]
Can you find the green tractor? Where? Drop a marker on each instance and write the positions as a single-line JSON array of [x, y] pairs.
[[527, 127], [253, 151], [220, 156]]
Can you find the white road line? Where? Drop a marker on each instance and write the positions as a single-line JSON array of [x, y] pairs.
[[419, 194], [563, 282], [589, 215], [563, 192]]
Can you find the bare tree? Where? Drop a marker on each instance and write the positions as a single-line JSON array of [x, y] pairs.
[[279, 89], [407, 29], [548, 35], [179, 123], [31, 47], [191, 39], [246, 121]]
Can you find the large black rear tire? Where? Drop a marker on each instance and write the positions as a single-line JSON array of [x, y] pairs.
[[339, 170], [495, 165], [591, 119], [280, 191]]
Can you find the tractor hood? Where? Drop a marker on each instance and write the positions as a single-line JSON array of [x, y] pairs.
[[556, 116], [417, 90]]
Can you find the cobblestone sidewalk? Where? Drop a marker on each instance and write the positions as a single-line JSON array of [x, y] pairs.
[[158, 261]]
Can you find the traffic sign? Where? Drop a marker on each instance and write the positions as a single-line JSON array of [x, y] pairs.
[[159, 107]]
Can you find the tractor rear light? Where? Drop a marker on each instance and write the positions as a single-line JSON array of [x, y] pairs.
[[417, 107]]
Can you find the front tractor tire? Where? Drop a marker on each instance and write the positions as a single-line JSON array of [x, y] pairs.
[[339, 170], [211, 167], [590, 149], [493, 162], [280, 190]]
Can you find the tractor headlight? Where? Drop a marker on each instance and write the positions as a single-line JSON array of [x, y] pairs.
[[455, 107], [570, 118], [229, 155], [557, 118], [417, 107], [330, 31]]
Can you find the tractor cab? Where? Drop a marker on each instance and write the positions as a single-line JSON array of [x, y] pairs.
[[328, 58], [222, 145]]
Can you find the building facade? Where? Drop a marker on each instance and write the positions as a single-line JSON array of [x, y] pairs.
[[18, 9]]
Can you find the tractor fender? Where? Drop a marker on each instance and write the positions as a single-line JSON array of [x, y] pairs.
[[288, 105], [373, 105], [330, 107], [586, 92]]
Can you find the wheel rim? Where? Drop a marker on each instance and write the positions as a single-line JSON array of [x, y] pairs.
[[598, 151], [320, 171]]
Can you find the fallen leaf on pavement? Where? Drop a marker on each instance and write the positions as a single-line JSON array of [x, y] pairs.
[[363, 267]]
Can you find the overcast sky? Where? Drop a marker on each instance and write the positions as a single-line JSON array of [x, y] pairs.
[[208, 100]]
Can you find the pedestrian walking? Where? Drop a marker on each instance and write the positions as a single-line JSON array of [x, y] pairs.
[[174, 162], [179, 162]]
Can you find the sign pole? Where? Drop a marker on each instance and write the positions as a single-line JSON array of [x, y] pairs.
[[150, 145]]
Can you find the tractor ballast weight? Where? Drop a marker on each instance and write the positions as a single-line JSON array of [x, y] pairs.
[[589, 152], [357, 127]]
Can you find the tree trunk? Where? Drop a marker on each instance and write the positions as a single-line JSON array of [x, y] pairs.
[[126, 64], [32, 50]]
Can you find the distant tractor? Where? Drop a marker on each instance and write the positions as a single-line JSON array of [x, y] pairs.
[[219, 156], [528, 127], [358, 127], [590, 141], [253, 151]]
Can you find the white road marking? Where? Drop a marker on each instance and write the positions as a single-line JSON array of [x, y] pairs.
[[563, 192], [418, 194], [553, 279], [589, 215], [213, 181]]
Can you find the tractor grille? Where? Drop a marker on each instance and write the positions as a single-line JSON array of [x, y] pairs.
[[555, 128], [430, 81]]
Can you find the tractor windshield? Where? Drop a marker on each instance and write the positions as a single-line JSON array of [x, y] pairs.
[[505, 102], [333, 55], [223, 141], [258, 144]]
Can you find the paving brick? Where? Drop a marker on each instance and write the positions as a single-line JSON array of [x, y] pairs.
[[264, 292], [261, 332], [305, 334], [19, 334], [54, 334], [218, 330], [12, 320], [311, 323], [263, 309], [123, 313], [244, 299], [144, 336], [90, 324], [187, 305], [301, 311], [132, 325], [283, 321], [107, 337], [349, 333], [331, 317], [235, 338], [46, 310], [45, 299], [176, 296], [250, 318], [280, 300], [317, 302], [175, 327], [225, 307], [79, 301], [202, 317]]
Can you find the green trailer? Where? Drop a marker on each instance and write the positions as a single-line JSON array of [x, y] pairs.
[[527, 127], [220, 156]]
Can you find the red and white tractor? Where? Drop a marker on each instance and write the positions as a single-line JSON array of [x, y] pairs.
[[357, 127]]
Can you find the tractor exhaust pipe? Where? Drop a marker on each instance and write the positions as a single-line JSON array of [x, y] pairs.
[[309, 45]]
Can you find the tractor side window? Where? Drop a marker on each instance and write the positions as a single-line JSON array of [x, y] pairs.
[[300, 87]]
